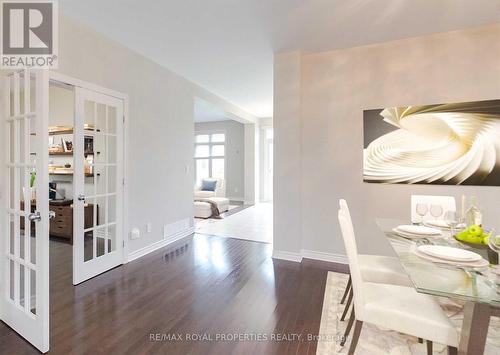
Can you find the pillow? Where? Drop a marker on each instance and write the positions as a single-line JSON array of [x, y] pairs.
[[208, 185]]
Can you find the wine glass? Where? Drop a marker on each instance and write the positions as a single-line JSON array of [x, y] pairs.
[[451, 219], [494, 244], [422, 210], [436, 211]]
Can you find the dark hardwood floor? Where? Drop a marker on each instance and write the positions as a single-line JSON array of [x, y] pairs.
[[219, 289]]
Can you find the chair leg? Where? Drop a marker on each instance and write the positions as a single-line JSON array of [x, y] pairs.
[[429, 347], [347, 288], [347, 305], [452, 350], [355, 337], [348, 328]]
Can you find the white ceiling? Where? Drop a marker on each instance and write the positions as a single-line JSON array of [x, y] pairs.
[[227, 46], [207, 112]]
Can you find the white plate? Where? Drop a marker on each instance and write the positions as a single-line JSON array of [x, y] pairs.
[[414, 236], [471, 264], [418, 230], [449, 253], [437, 223]]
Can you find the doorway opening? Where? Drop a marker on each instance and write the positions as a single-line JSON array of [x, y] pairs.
[[86, 170], [230, 157], [219, 163]]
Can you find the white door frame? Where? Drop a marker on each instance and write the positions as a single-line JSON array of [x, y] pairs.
[[68, 80], [268, 175], [264, 155]]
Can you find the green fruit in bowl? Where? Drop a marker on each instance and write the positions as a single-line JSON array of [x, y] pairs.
[[474, 239], [462, 235], [473, 234], [486, 240], [475, 230]]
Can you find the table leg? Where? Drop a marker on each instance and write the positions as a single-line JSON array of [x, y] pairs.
[[474, 328]]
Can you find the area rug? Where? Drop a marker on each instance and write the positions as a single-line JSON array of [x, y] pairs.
[[375, 340]]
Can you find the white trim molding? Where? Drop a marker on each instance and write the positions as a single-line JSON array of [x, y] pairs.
[[160, 244], [286, 255], [236, 199], [319, 255], [310, 254]]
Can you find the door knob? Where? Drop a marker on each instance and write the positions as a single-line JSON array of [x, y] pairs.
[[81, 197], [35, 217]]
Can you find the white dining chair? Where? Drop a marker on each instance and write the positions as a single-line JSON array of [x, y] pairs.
[[422, 207], [394, 307], [374, 268]]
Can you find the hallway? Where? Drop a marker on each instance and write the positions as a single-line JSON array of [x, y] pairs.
[[254, 223]]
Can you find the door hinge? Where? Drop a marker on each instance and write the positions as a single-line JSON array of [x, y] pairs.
[[123, 118], [123, 244], [123, 181]]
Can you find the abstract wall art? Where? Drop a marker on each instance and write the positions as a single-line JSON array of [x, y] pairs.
[[452, 144]]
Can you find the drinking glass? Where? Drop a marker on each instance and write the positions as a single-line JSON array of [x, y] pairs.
[[436, 211], [494, 242], [422, 210], [451, 219]]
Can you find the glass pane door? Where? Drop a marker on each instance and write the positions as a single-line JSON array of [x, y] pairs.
[[98, 184], [25, 250]]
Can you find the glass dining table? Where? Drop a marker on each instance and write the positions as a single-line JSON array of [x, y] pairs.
[[478, 288]]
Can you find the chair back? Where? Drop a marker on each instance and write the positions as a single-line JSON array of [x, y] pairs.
[[347, 230], [447, 203], [343, 206]]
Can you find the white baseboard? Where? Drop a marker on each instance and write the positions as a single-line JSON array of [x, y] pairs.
[[319, 255], [286, 255], [310, 254], [237, 199], [160, 244]]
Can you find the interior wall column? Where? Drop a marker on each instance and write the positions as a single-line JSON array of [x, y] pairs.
[[287, 156]]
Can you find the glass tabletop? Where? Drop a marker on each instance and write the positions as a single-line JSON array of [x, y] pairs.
[[476, 285]]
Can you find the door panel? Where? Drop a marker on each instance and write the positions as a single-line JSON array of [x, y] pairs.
[[98, 184], [25, 251]]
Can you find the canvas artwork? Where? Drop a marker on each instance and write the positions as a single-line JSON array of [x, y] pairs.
[[453, 144]]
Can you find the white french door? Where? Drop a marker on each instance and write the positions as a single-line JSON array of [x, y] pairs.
[[25, 214], [98, 184]]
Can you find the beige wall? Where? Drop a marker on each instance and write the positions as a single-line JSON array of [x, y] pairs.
[[287, 201], [335, 88]]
